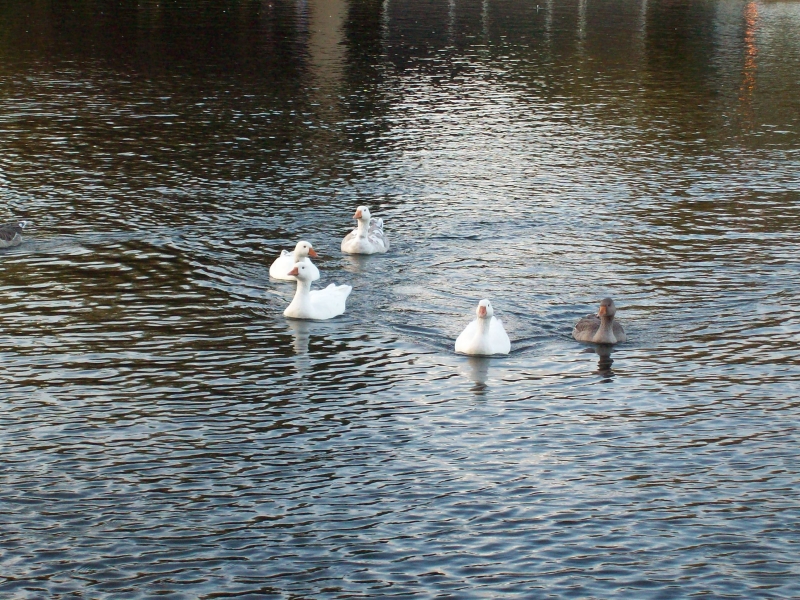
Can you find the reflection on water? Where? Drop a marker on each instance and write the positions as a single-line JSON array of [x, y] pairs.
[[166, 431], [358, 263], [300, 333], [479, 372], [749, 70], [604, 360]]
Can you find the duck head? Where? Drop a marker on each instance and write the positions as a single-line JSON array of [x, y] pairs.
[[607, 308], [484, 310], [362, 214], [304, 249], [301, 271]]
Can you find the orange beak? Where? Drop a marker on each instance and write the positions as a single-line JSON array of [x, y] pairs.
[[481, 311], [294, 271], [312, 254], [358, 214], [603, 310]]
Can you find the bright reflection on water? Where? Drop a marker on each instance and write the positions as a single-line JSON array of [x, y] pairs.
[[166, 431]]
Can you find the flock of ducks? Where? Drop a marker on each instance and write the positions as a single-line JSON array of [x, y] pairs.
[[485, 336]]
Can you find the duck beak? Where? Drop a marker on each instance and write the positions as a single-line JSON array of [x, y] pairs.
[[603, 311], [357, 215], [481, 311], [312, 253], [294, 271]]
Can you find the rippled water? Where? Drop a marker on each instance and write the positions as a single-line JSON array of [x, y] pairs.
[[166, 431]]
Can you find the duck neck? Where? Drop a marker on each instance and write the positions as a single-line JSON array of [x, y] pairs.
[[298, 258], [483, 326], [605, 335], [363, 227], [301, 294]]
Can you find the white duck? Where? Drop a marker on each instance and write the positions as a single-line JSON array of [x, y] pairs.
[[485, 335], [284, 263], [600, 328], [368, 237], [319, 304], [11, 233]]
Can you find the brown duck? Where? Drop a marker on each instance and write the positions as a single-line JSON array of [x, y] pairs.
[[600, 328]]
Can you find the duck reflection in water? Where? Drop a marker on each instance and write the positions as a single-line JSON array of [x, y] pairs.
[[356, 263], [325, 335], [479, 373], [604, 361], [301, 333]]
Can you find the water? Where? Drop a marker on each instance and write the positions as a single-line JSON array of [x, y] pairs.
[[165, 431]]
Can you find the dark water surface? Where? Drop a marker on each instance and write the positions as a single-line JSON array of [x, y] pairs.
[[166, 431]]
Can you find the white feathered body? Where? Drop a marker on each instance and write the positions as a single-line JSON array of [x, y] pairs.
[[366, 239], [285, 262], [318, 304], [484, 337]]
